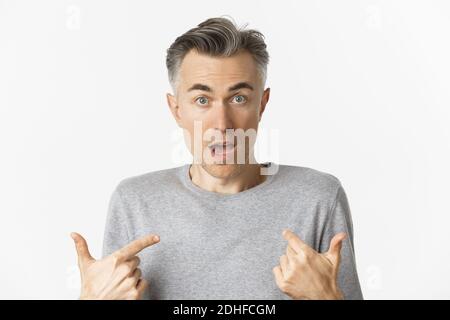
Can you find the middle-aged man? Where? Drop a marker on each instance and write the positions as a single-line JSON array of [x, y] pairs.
[[224, 226]]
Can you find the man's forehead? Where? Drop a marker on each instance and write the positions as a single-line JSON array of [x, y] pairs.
[[218, 71]]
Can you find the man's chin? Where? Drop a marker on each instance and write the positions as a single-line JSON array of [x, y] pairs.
[[223, 171]]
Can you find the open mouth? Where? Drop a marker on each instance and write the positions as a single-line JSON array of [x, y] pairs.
[[220, 149]]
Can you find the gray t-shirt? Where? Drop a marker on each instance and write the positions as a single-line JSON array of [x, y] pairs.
[[217, 246]]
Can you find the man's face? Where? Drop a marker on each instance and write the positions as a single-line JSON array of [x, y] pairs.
[[219, 93]]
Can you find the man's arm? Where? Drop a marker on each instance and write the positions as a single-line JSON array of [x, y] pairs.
[[340, 220], [117, 274], [304, 273], [116, 234]]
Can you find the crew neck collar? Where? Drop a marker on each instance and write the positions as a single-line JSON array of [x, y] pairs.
[[185, 176]]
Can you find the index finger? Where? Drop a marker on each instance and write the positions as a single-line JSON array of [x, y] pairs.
[[136, 246], [295, 242]]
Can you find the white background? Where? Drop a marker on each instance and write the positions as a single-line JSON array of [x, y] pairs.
[[360, 89]]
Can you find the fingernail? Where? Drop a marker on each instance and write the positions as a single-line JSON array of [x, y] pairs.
[[156, 238]]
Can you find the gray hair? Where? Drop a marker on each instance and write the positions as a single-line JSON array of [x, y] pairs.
[[217, 37]]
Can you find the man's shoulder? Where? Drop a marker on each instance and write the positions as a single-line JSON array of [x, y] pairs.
[[150, 182], [309, 179]]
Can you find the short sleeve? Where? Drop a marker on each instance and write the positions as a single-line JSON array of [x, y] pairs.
[[116, 234], [340, 220]]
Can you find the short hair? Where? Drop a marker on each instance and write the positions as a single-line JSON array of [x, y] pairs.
[[217, 37]]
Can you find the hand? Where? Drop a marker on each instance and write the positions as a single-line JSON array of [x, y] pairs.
[[116, 276], [303, 273]]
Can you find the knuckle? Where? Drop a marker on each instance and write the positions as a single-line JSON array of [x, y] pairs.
[[299, 260], [115, 258], [128, 267], [288, 275], [133, 263], [284, 286]]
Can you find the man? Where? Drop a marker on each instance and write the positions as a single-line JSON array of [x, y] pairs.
[[223, 227]]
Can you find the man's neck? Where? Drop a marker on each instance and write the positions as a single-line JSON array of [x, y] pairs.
[[249, 177]]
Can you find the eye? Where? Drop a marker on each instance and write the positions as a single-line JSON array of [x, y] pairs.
[[239, 99], [202, 101]]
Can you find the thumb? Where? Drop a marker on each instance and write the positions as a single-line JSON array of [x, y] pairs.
[[81, 246], [334, 252]]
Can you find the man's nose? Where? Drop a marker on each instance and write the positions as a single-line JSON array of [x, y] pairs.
[[221, 118]]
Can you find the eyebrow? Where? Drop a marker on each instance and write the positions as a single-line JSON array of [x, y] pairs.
[[237, 86]]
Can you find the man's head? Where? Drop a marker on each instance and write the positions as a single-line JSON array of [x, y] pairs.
[[218, 72]]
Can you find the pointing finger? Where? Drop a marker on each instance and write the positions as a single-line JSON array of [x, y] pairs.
[[136, 246], [290, 252]]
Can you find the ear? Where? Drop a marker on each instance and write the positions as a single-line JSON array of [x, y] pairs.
[[264, 100], [174, 108]]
